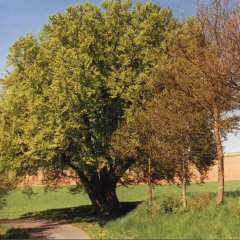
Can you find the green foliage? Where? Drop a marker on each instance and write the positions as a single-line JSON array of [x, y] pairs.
[[7, 184], [173, 133], [72, 86], [7, 232], [169, 203], [16, 233]]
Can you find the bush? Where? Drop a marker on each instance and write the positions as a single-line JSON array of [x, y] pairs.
[[198, 201], [17, 233], [170, 203]]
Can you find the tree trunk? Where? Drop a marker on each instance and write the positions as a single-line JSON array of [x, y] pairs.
[[184, 185], [101, 189], [220, 158], [149, 181]]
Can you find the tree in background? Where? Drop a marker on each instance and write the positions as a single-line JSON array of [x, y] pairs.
[[138, 139], [68, 91], [230, 39], [198, 66], [184, 136], [169, 137]]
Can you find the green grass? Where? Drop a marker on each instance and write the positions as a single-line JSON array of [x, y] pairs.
[[139, 221], [20, 204], [201, 221], [3, 229]]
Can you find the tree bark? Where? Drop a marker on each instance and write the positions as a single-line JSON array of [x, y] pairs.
[[149, 181], [220, 158], [184, 184], [101, 189]]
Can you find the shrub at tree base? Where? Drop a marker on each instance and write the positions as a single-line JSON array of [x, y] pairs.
[[16, 233]]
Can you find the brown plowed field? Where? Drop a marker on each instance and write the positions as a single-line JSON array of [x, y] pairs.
[[232, 172]]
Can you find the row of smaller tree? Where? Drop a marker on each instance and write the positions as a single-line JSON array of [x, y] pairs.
[[193, 97], [171, 137]]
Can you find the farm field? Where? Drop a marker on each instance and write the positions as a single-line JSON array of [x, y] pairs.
[[231, 168], [232, 171], [195, 221]]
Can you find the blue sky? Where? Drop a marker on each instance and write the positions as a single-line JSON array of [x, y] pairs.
[[18, 17]]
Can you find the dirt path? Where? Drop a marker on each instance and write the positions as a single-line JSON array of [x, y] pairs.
[[43, 229]]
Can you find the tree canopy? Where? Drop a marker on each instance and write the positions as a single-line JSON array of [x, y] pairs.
[[201, 65], [71, 87], [171, 136]]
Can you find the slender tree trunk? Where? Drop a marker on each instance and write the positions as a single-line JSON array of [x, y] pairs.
[[149, 181], [220, 158], [101, 189], [184, 184]]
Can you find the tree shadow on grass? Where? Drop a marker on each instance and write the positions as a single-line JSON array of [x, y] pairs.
[[235, 193], [81, 214]]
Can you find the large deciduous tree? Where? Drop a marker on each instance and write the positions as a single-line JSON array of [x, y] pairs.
[[69, 89]]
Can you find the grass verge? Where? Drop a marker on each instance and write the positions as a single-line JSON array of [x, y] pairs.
[[202, 219]]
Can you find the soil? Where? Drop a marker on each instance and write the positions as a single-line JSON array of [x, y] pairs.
[[42, 229], [231, 169]]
